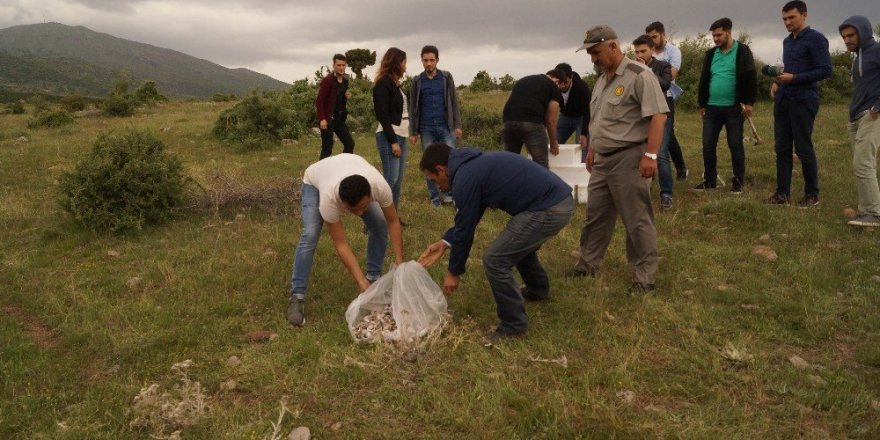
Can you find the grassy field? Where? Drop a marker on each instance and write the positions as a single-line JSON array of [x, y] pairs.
[[88, 321]]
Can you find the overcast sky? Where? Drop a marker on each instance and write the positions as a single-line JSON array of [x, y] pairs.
[[290, 39]]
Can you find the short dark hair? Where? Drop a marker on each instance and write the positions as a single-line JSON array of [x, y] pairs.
[[436, 154], [353, 188], [655, 26], [795, 4], [430, 49], [339, 57], [644, 40], [558, 74], [566, 68], [723, 23]]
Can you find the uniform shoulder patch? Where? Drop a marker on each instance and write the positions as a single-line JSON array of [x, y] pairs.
[[636, 67]]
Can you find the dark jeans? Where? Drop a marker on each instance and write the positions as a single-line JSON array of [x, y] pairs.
[[338, 126], [534, 136], [673, 146], [731, 118], [566, 126], [793, 121], [517, 245]]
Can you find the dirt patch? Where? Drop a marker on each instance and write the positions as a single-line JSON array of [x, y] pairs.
[[43, 336]]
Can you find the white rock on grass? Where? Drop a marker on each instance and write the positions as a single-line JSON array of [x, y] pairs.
[[133, 282], [301, 433], [799, 362], [228, 385], [626, 396], [765, 251], [233, 361]]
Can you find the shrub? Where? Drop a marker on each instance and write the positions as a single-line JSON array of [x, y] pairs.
[[73, 103], [147, 93], [219, 97], [126, 182], [16, 108], [120, 105], [51, 119], [256, 122], [39, 102], [482, 127]]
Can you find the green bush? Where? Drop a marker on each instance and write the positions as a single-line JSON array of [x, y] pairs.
[[126, 182], [120, 105], [16, 108], [257, 122], [482, 127], [39, 102], [51, 119], [148, 94], [219, 97], [73, 103]]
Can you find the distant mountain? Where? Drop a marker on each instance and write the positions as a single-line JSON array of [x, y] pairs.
[[57, 59]]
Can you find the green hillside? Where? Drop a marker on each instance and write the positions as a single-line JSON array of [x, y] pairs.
[[53, 58]]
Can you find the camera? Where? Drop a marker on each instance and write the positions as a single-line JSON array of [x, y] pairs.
[[771, 70]]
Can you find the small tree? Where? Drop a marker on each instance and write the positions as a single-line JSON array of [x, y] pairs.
[[147, 93], [506, 82], [482, 82], [360, 59], [120, 84]]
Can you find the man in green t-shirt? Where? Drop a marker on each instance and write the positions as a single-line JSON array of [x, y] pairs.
[[728, 87]]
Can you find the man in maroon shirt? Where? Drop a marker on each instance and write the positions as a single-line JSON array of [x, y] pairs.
[[332, 96]]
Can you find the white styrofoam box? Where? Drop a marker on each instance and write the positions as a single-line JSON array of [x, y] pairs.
[[569, 154], [576, 176]]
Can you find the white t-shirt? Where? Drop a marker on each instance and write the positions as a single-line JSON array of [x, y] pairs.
[[326, 174]]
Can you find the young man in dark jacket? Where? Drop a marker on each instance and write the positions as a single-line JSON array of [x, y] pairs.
[[331, 102], [864, 116], [539, 202], [574, 117], [728, 87]]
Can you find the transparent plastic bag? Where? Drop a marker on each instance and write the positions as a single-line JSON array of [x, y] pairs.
[[417, 304]]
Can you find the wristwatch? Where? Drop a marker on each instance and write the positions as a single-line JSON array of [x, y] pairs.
[[652, 156]]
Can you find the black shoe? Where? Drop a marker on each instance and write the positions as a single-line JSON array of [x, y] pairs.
[[498, 335], [682, 174], [641, 287], [808, 201], [737, 186], [296, 312], [577, 273], [778, 199], [665, 202], [529, 295], [705, 185]]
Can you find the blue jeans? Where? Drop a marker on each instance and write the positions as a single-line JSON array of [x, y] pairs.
[[377, 240], [731, 118], [664, 166], [534, 136], [566, 125], [793, 123], [518, 245], [430, 135], [392, 166]]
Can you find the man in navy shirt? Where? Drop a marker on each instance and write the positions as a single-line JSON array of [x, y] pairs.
[[540, 205], [796, 93]]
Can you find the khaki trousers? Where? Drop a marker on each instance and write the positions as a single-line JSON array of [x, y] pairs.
[[616, 187], [864, 134]]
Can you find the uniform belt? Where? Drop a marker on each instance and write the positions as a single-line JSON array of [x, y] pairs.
[[617, 150]]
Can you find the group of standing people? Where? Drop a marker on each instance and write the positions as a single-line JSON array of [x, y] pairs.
[[627, 134]]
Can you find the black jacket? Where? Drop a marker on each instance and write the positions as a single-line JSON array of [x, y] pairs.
[[388, 105], [578, 104], [746, 77]]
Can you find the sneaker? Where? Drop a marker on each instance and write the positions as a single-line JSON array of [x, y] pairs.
[[866, 220], [682, 174], [736, 186], [529, 295], [296, 312], [665, 202], [808, 201], [778, 199], [447, 198], [497, 335], [637, 287], [578, 273], [705, 184]]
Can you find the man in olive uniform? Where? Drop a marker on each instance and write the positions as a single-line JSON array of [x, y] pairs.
[[628, 113]]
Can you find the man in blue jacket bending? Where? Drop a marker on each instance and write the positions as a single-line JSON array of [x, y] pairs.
[[540, 204]]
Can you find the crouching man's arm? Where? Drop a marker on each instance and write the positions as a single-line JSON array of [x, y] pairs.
[[337, 233], [395, 231]]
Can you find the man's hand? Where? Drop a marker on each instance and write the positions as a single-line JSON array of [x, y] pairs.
[[432, 253], [554, 149], [785, 78], [874, 115], [591, 155], [414, 139], [458, 133], [450, 283], [323, 124], [747, 110], [647, 167], [363, 284], [585, 142], [773, 88], [702, 112], [395, 149]]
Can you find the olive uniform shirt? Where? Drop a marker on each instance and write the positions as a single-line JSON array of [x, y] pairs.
[[622, 107]]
